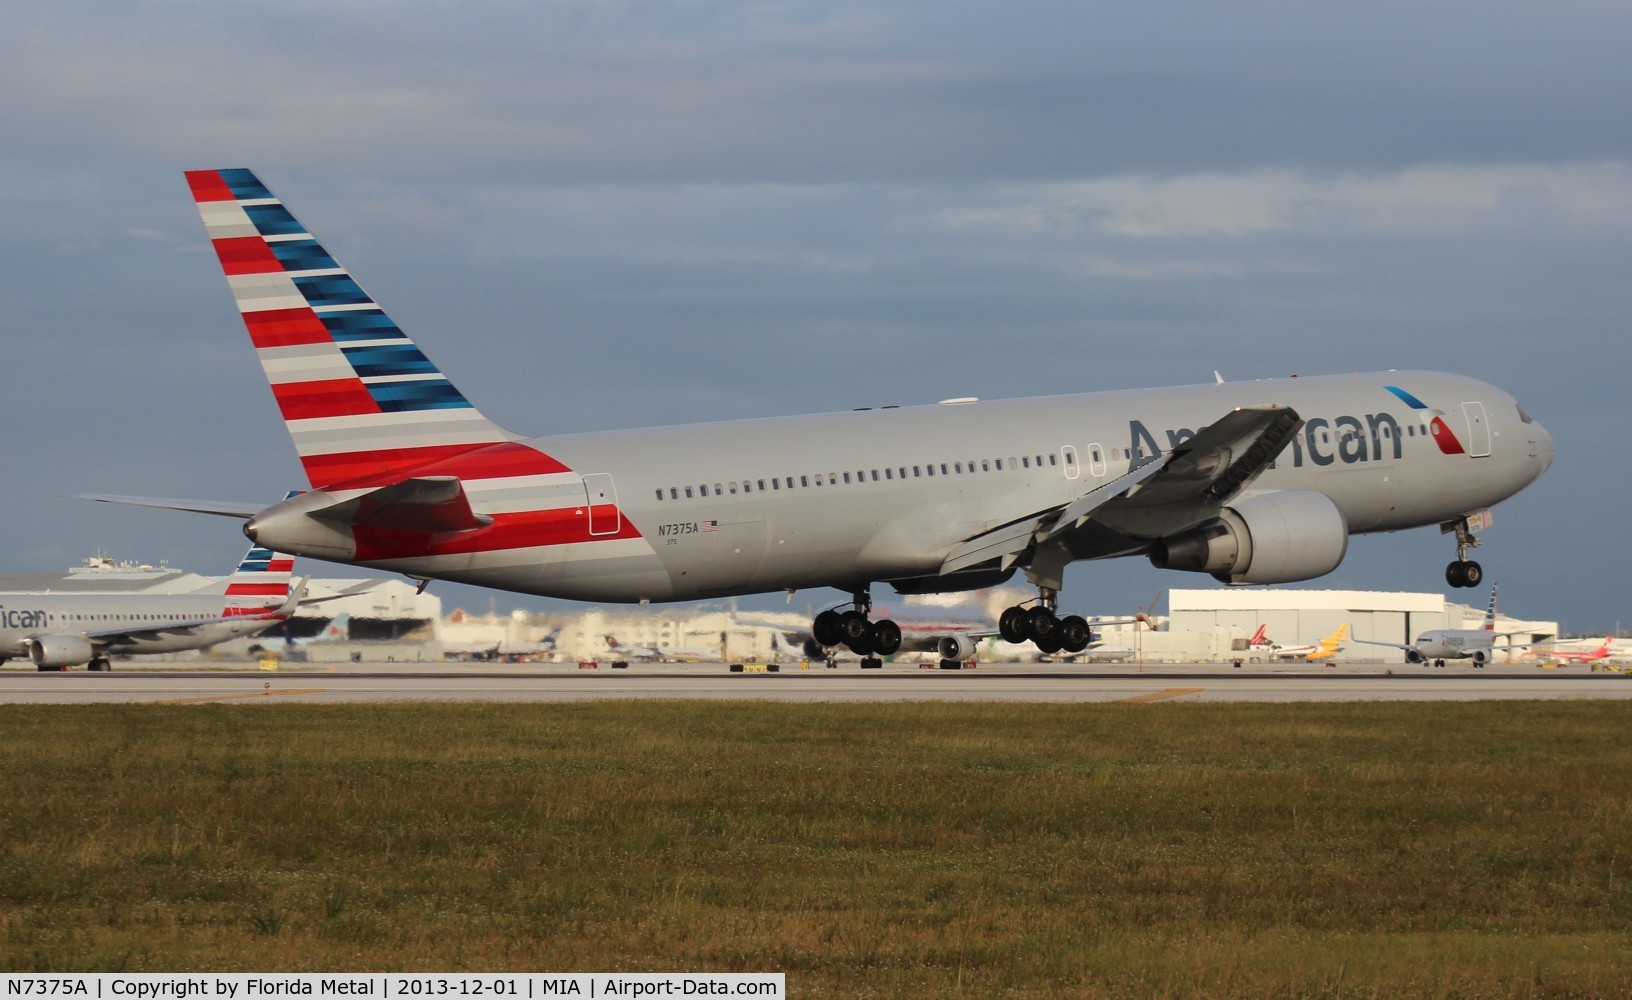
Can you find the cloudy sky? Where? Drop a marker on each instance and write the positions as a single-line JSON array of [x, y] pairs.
[[618, 214]]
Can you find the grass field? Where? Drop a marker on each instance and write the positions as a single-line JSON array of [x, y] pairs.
[[1330, 850]]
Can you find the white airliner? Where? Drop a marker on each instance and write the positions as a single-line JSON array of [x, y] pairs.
[[618, 649], [1441, 644], [58, 631], [1251, 482]]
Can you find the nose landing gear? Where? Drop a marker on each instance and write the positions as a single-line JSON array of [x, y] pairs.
[[1464, 572]]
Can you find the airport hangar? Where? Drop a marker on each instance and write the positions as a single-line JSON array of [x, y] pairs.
[[1211, 621]]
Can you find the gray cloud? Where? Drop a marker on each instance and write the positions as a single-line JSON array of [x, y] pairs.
[[623, 214]]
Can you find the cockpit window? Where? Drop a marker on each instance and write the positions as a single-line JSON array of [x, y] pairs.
[[1523, 415]]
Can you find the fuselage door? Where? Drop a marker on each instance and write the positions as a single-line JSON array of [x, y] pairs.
[[1478, 430], [604, 516], [1068, 462], [1096, 460]]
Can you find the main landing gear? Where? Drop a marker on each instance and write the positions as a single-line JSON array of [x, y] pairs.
[[867, 639], [1464, 572], [1042, 626]]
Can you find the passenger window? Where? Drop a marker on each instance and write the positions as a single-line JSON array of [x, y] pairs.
[[674, 494], [762, 486], [660, 493], [804, 480], [887, 473], [847, 479], [688, 492]]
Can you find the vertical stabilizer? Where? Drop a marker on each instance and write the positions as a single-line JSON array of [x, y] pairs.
[[364, 406], [260, 584]]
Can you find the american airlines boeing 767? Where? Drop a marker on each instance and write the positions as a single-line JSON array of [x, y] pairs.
[[1251, 482]]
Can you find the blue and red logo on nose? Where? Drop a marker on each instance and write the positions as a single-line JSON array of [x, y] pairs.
[[1437, 428]]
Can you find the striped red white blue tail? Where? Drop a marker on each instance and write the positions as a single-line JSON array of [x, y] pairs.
[[260, 585], [364, 406]]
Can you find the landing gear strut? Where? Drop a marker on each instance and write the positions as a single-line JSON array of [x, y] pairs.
[[1042, 626], [868, 639], [1464, 572]]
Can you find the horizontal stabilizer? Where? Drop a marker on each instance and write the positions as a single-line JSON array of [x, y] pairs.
[[432, 505], [221, 508]]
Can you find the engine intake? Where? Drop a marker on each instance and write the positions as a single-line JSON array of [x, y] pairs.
[[59, 651], [1272, 538], [955, 647]]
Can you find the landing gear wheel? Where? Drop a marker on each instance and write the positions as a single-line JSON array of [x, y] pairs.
[[1011, 625], [99, 663], [886, 637], [1074, 633], [1464, 573], [872, 663], [864, 645], [1049, 644], [1041, 624], [853, 627], [825, 629]]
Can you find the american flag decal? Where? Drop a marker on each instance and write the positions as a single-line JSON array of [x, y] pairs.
[[711, 525]]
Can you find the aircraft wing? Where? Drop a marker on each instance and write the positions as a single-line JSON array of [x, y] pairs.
[[1155, 497], [1391, 645], [1200, 475]]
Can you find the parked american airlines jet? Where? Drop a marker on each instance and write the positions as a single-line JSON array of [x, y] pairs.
[[58, 631], [1252, 482], [1441, 644]]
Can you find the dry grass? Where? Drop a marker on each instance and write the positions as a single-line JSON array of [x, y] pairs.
[[1360, 850]]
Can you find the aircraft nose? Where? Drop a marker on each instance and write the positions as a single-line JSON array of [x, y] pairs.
[[1544, 450]]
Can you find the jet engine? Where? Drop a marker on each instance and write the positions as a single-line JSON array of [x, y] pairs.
[[59, 651], [1271, 538], [1480, 657], [1412, 656], [955, 647]]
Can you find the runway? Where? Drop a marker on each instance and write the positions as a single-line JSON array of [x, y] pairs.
[[244, 684]]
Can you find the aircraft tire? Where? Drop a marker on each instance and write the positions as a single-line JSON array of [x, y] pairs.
[[1472, 573], [1041, 624], [886, 637], [1049, 644], [853, 627], [1074, 633], [825, 629], [1011, 625]]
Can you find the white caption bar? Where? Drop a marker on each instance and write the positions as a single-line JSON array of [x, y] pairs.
[[395, 986]]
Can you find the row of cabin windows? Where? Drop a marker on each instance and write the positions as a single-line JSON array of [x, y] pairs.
[[1096, 457], [901, 472], [57, 619]]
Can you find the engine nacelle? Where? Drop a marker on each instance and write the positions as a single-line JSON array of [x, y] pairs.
[[1412, 656], [59, 651], [1480, 657], [955, 647], [1272, 538]]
